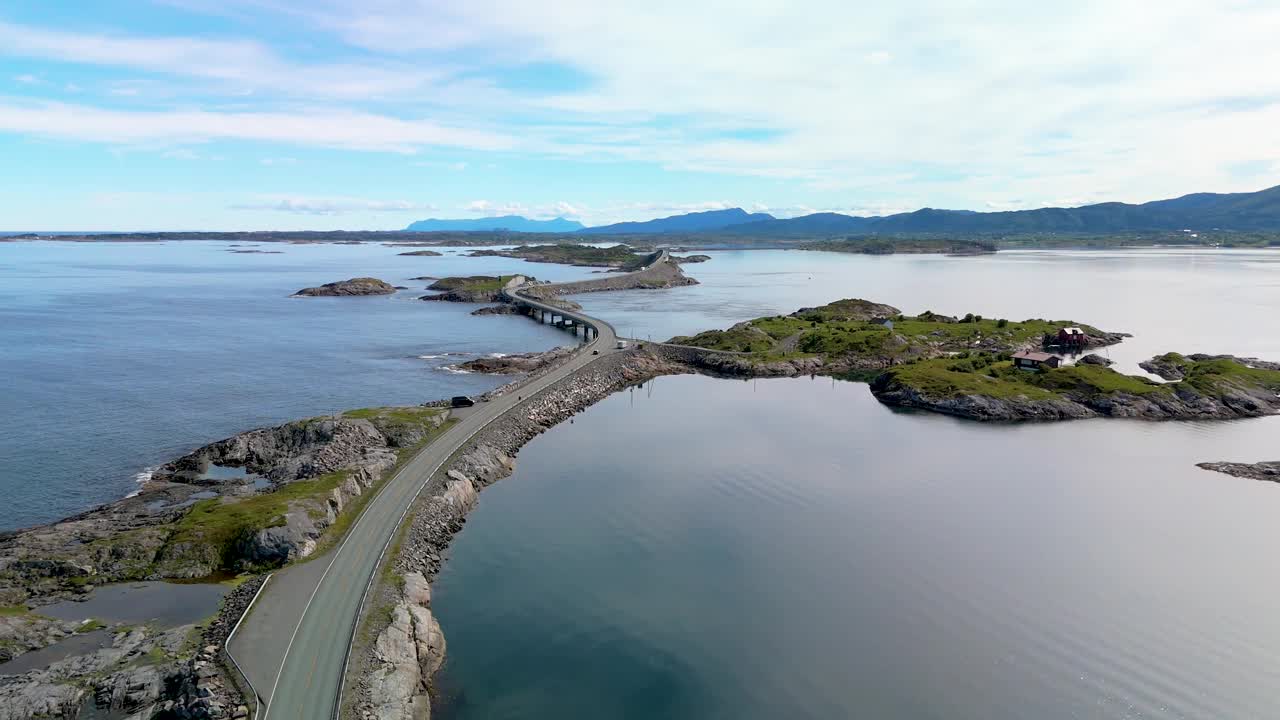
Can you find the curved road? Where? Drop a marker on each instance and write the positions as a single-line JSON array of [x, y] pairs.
[[308, 684]]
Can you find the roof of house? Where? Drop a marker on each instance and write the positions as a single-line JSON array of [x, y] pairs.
[[1073, 331], [1033, 356]]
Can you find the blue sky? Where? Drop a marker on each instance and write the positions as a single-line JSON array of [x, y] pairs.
[[319, 114]]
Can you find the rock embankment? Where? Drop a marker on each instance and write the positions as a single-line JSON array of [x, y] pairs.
[[1253, 471], [406, 654], [387, 686], [517, 363], [346, 288]]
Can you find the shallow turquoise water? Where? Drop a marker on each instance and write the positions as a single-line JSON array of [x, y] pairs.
[[705, 548]]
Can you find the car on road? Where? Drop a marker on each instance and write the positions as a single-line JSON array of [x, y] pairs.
[[595, 352], [622, 345], [461, 401]]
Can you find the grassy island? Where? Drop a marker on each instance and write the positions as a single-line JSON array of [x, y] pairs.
[[857, 334], [621, 257], [966, 366]]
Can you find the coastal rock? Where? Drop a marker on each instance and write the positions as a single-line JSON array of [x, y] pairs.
[[1095, 359], [689, 259], [1171, 366], [422, 253], [352, 287], [406, 654], [517, 363], [1255, 471], [25, 632], [976, 407], [133, 676], [474, 289], [1221, 395], [497, 310]]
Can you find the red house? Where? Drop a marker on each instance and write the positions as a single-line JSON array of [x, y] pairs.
[[1029, 360], [1072, 337]]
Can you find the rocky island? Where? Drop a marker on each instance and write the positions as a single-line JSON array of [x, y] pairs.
[[985, 369], [422, 253], [352, 287], [617, 256], [516, 363], [475, 288]]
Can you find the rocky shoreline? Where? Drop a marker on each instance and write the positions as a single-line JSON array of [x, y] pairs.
[[1253, 471], [517, 363], [314, 470]]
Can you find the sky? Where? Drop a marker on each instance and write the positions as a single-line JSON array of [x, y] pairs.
[[328, 114]]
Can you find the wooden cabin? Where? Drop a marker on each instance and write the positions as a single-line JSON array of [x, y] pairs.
[[1030, 360]]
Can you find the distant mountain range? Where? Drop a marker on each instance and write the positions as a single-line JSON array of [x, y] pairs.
[[1200, 211], [687, 223], [511, 223]]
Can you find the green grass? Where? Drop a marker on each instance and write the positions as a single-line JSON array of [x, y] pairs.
[[984, 375], [950, 378], [224, 523], [841, 329], [781, 327], [480, 283], [14, 610], [1095, 379], [90, 626], [735, 339], [1213, 377]]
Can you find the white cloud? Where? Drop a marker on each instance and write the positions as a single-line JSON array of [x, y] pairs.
[[332, 205], [240, 64], [26, 79], [879, 104], [278, 161], [1132, 103], [321, 127]]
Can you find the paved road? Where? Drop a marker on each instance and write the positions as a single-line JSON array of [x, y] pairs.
[[309, 680]]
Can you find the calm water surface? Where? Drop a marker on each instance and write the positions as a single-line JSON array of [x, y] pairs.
[[1184, 300], [720, 549], [120, 356], [711, 548]]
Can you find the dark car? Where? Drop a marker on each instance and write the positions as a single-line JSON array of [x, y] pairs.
[[461, 401]]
